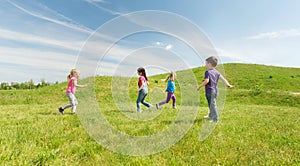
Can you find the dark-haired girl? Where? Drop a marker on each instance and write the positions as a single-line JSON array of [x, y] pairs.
[[142, 90]]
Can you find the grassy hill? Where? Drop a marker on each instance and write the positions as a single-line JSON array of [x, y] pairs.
[[263, 85], [258, 126]]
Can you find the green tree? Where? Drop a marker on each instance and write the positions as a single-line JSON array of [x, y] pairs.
[[31, 84]]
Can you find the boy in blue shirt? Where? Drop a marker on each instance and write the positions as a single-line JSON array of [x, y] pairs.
[[210, 82]]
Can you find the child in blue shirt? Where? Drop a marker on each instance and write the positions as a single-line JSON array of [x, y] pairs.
[[170, 90], [210, 82]]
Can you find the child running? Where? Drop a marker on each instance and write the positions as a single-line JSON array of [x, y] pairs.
[[70, 92], [170, 90], [210, 82], [142, 90]]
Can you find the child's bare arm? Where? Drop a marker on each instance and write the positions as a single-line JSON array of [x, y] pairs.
[[206, 81], [226, 82], [79, 86]]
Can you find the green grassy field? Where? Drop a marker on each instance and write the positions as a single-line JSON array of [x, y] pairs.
[[259, 124]]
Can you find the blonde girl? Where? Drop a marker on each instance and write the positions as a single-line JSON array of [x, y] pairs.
[[70, 92], [170, 90]]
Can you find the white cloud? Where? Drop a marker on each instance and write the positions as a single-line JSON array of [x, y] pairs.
[[268, 53], [22, 64], [234, 56], [158, 43], [166, 46], [126, 57], [24, 37], [65, 21], [38, 42], [169, 47], [276, 34], [36, 58], [149, 57], [94, 3]]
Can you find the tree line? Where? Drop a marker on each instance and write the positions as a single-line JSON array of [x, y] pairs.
[[24, 85]]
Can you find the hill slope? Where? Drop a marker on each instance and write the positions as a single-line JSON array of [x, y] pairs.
[[254, 84], [263, 85], [258, 126]]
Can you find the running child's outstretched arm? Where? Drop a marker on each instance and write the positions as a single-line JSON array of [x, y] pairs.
[[226, 82], [206, 81], [79, 86]]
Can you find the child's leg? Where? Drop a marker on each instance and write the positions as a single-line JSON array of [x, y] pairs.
[[144, 102], [140, 99], [169, 95], [208, 98], [66, 106], [73, 102], [174, 100], [212, 104], [70, 102]]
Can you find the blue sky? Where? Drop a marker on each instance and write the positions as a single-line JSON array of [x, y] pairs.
[[41, 39]]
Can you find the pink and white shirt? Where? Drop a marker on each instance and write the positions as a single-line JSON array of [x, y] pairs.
[[71, 86], [142, 80]]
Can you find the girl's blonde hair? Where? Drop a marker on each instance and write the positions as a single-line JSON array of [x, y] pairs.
[[171, 76], [72, 72]]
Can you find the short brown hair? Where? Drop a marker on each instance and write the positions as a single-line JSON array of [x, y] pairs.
[[212, 60]]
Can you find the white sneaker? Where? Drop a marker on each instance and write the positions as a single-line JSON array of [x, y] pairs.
[[157, 106], [212, 121], [151, 107], [206, 117]]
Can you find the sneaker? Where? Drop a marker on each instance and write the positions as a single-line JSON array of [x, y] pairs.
[[213, 121], [139, 111], [73, 113], [207, 117], [174, 107], [157, 106], [61, 110], [151, 107]]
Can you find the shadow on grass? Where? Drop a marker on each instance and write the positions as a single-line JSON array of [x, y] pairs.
[[196, 121], [48, 113], [55, 114], [207, 129], [127, 111]]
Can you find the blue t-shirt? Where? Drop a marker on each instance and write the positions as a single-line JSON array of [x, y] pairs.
[[213, 76], [170, 87]]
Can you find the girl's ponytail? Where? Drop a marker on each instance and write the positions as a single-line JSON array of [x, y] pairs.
[[69, 76], [171, 76], [72, 72], [167, 78]]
